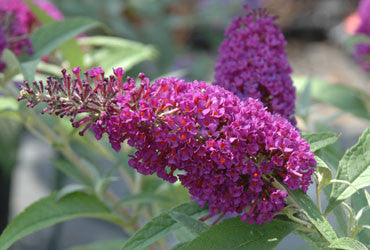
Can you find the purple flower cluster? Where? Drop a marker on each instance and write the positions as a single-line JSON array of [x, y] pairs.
[[227, 152], [17, 21], [252, 63], [362, 50], [12, 36]]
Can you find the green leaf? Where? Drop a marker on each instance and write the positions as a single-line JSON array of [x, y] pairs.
[[71, 188], [315, 239], [28, 69], [10, 134], [117, 52], [72, 53], [178, 246], [70, 50], [341, 96], [235, 234], [12, 65], [311, 211], [354, 168], [113, 42], [106, 245], [176, 193], [359, 201], [323, 173], [142, 198], [39, 13], [51, 36], [303, 101], [47, 212], [8, 103], [320, 140], [338, 213], [161, 225], [193, 225], [348, 244], [71, 171], [183, 235]]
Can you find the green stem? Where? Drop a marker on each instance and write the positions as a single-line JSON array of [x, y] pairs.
[[300, 221], [318, 198], [50, 136]]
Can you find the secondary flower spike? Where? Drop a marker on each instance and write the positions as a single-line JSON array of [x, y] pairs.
[[252, 63], [17, 21], [362, 49], [227, 152]]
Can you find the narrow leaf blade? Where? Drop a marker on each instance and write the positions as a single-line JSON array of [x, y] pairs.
[[320, 140], [160, 226], [348, 244], [324, 173], [315, 239], [51, 36], [354, 168], [335, 94], [47, 212], [313, 214], [106, 245], [235, 234], [143, 198], [193, 225]]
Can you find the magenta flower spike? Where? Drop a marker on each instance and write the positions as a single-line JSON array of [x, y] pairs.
[[252, 62], [362, 50], [227, 152]]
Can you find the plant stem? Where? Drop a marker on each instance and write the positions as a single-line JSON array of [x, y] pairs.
[[318, 198], [218, 219], [300, 221], [50, 136]]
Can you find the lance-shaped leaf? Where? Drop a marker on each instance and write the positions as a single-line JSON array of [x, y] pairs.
[[51, 36], [353, 172], [195, 226], [106, 245], [341, 96], [161, 225], [236, 234], [320, 140], [48, 211], [323, 173], [315, 239], [309, 209], [348, 244], [70, 50]]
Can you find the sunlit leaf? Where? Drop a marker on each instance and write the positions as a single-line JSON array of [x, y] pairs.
[[323, 172], [235, 234], [161, 226], [311, 211], [348, 244], [47, 212], [353, 172], [141, 198], [51, 36], [341, 96], [320, 140], [193, 225], [106, 245]]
